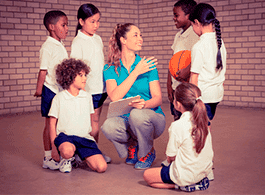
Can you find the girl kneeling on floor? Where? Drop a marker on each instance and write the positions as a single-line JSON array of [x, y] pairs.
[[189, 149]]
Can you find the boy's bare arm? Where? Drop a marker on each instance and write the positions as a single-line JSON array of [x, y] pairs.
[[169, 87], [53, 135], [40, 82]]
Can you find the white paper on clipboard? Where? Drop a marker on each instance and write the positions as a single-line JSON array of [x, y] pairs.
[[121, 107]]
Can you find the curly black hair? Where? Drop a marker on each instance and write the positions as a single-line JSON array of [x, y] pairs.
[[68, 70]]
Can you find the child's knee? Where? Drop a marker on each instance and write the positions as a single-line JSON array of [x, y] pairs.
[[66, 150], [102, 167]]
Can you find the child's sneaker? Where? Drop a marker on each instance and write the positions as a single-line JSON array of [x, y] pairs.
[[201, 185], [107, 158], [50, 164], [65, 165], [132, 157], [146, 162]]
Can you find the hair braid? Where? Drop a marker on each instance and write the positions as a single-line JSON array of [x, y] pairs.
[[219, 42]]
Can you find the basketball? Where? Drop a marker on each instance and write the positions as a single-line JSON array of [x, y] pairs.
[[179, 61]]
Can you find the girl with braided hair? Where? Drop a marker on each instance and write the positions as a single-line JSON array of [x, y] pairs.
[[208, 57], [127, 75]]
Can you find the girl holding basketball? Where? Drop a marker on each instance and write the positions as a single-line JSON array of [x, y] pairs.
[[88, 46], [189, 149], [208, 57]]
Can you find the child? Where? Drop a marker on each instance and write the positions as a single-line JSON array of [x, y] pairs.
[[52, 53], [184, 40], [189, 149], [88, 47], [208, 57], [70, 122]]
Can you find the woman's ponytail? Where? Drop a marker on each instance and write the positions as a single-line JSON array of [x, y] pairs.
[[115, 46]]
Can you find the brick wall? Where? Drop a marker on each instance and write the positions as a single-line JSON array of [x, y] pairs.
[[22, 33], [243, 31]]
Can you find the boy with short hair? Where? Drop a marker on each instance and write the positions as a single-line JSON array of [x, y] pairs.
[[70, 120], [184, 40], [52, 52]]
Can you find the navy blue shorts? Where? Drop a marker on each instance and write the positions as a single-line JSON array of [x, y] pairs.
[[165, 175], [211, 108], [46, 100], [98, 99], [84, 147]]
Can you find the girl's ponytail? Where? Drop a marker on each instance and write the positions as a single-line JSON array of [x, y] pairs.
[[219, 42], [200, 120], [189, 97]]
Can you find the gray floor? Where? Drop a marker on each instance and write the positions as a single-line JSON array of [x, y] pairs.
[[238, 140]]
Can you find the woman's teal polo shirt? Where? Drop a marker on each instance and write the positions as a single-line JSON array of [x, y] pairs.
[[140, 86]]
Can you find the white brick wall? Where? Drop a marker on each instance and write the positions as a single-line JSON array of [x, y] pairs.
[[22, 33]]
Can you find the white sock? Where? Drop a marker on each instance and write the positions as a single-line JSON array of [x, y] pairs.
[[48, 154]]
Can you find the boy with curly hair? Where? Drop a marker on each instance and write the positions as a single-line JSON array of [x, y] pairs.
[[70, 122]]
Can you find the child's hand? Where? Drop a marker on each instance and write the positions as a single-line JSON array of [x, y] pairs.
[[145, 65], [139, 104], [37, 94], [170, 159], [55, 154]]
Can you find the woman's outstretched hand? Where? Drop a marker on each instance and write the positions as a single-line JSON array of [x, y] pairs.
[[146, 65], [139, 104]]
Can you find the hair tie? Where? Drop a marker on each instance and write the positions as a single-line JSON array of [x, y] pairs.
[[199, 98]]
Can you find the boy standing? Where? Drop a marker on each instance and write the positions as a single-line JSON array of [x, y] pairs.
[[52, 53], [70, 121], [184, 40]]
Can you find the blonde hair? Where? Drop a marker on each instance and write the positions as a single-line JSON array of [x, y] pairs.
[[115, 48]]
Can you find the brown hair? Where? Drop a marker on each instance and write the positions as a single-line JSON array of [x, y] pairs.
[[114, 55], [68, 70], [188, 95]]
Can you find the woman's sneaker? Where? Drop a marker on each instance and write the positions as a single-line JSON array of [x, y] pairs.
[[65, 165], [146, 162], [201, 185], [50, 164], [132, 157]]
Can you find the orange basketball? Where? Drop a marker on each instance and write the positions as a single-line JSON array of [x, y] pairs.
[[179, 61]]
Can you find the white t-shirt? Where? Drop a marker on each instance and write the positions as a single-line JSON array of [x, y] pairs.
[[52, 53], [90, 50], [183, 41], [203, 62], [73, 113], [189, 167]]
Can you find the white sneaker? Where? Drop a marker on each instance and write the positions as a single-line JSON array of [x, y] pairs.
[[210, 176], [65, 165], [107, 158], [50, 164]]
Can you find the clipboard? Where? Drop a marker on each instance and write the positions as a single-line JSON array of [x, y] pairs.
[[121, 107]]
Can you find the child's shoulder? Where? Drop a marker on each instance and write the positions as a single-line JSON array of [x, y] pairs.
[[183, 123]]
